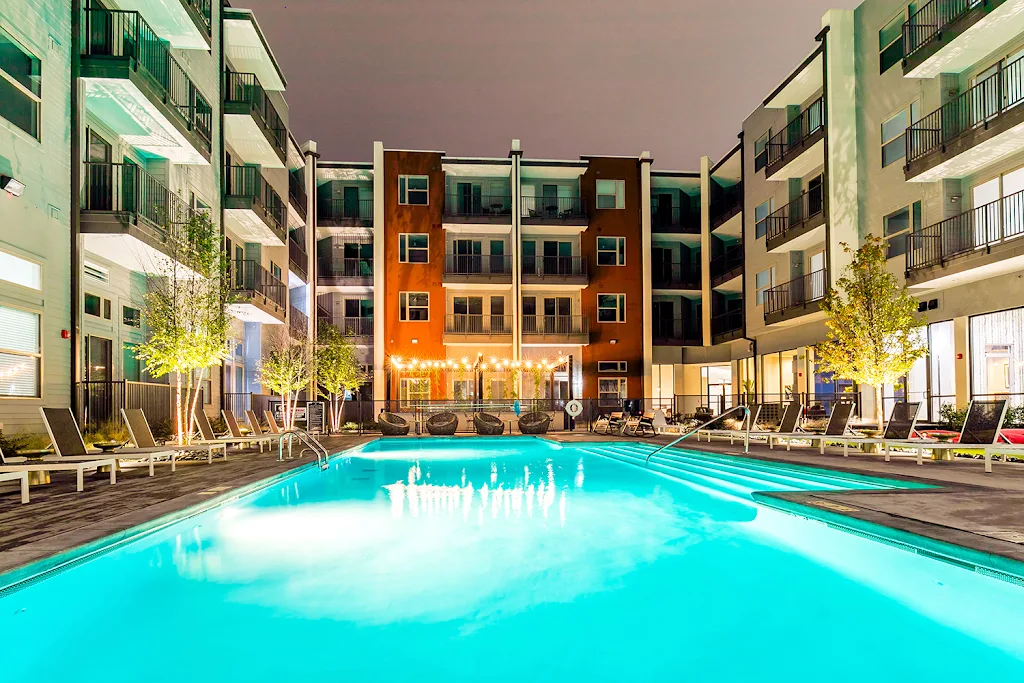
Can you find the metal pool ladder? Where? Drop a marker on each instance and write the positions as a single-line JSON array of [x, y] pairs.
[[309, 441], [746, 415]]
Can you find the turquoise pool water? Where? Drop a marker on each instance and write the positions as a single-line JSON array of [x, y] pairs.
[[512, 560]]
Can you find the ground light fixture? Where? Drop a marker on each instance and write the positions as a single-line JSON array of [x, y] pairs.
[[12, 185]]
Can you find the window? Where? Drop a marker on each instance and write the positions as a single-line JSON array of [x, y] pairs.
[[413, 248], [763, 210], [20, 353], [611, 366], [611, 251], [761, 151], [611, 308], [275, 270], [106, 309], [897, 226], [894, 141], [611, 194], [413, 189], [413, 306], [20, 271], [413, 389], [890, 40], [98, 273], [93, 304], [611, 391], [132, 317], [20, 86], [764, 281]]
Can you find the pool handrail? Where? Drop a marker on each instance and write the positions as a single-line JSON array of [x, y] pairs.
[[311, 443], [746, 414]]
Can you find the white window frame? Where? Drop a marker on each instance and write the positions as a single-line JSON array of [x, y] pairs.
[[761, 142], [36, 99], [124, 308], [17, 260], [404, 248], [913, 112], [621, 391], [37, 355], [620, 308], [404, 307], [405, 193], [760, 291], [757, 221], [619, 252], [619, 193], [617, 366], [407, 396]]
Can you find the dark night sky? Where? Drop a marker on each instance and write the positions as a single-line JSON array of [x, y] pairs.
[[568, 77]]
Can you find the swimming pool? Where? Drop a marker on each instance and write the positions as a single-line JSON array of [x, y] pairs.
[[513, 559]]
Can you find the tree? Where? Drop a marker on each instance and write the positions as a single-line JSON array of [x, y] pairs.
[[337, 370], [874, 335], [185, 312], [287, 367]]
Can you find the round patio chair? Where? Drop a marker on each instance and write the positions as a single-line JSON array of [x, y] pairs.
[[443, 424], [392, 425], [535, 423], [487, 424]]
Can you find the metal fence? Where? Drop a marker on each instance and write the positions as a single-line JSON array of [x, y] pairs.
[[797, 292], [805, 124], [98, 402]]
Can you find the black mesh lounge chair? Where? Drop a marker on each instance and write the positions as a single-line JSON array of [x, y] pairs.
[[787, 423], [487, 424], [392, 425], [443, 424], [732, 429], [142, 436], [62, 428], [981, 430], [534, 423], [838, 422], [900, 427]]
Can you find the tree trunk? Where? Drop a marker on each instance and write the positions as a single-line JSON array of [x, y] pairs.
[[178, 407], [879, 408]]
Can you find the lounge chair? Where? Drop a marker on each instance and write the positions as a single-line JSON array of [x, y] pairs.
[[443, 423], [488, 425], [536, 422], [612, 421], [900, 427], [208, 436], [19, 476], [838, 422], [392, 425], [68, 443], [787, 423], [741, 427], [142, 437], [980, 431], [257, 437], [640, 425], [272, 425], [18, 468]]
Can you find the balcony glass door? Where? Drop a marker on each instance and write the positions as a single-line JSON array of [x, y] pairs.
[[101, 181], [350, 202], [661, 265], [663, 313], [557, 312], [469, 313], [498, 315], [557, 257], [467, 256], [497, 256], [470, 198], [985, 200], [529, 314], [549, 200], [817, 276], [664, 210], [530, 257]]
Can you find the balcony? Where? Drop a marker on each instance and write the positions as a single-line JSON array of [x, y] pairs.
[[359, 330], [798, 225], [675, 276], [798, 148], [950, 36], [727, 326], [247, 49], [463, 328], [298, 323], [345, 213], [185, 24], [980, 126], [485, 209], [258, 296], [129, 218], [727, 265], [344, 272], [674, 219], [251, 123], [980, 243], [553, 211], [555, 270], [676, 332], [727, 205], [477, 268], [546, 330], [795, 298], [252, 208], [134, 85], [297, 194], [298, 259]]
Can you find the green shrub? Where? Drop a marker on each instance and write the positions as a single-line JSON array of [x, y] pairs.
[[111, 430], [951, 417], [26, 441], [1014, 416]]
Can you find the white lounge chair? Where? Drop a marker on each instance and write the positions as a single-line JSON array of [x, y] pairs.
[[742, 430], [980, 432], [838, 422], [236, 433], [208, 436], [69, 444], [19, 476], [900, 427], [142, 437], [16, 467], [612, 421], [787, 423]]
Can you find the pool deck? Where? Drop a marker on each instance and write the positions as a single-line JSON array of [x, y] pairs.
[[984, 512]]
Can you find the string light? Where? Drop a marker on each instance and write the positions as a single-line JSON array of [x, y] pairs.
[[493, 363]]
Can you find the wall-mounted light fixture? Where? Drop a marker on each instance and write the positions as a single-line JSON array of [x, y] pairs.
[[613, 341], [11, 185]]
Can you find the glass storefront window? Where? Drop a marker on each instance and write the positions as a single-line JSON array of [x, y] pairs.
[[942, 357], [997, 356]]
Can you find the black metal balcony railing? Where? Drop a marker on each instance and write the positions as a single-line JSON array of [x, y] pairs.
[[556, 325], [677, 331], [727, 261], [727, 204], [297, 257], [117, 33], [554, 208], [554, 266], [297, 192], [127, 190], [344, 267], [675, 275], [480, 206], [350, 327], [928, 22], [808, 206], [797, 292], [203, 8], [477, 264], [805, 124], [245, 89], [249, 279], [674, 219], [246, 183], [472, 323], [344, 212], [967, 232], [727, 323], [975, 108], [298, 323]]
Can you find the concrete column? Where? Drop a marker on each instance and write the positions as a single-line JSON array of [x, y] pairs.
[[646, 274], [516, 154], [705, 248], [962, 360], [311, 157], [379, 369]]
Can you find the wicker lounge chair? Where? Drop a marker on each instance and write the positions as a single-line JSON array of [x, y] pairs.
[[392, 425], [487, 424], [443, 424], [534, 423]]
